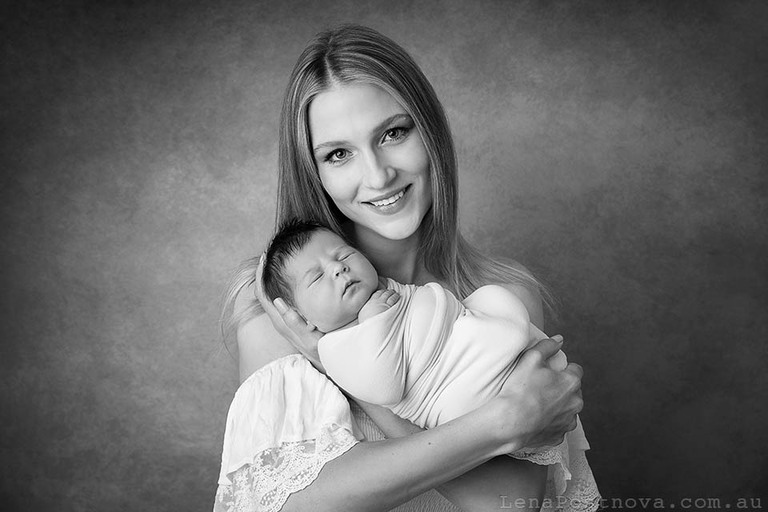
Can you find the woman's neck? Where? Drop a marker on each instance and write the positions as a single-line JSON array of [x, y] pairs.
[[397, 259]]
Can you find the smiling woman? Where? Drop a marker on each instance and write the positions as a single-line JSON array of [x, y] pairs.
[[372, 162], [365, 149]]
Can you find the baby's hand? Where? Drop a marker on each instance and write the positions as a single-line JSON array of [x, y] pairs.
[[380, 301]]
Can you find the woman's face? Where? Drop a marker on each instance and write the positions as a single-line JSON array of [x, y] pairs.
[[371, 159]]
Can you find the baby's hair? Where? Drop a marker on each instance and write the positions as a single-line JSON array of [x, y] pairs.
[[289, 239]]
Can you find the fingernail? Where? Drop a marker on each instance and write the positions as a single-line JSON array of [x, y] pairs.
[[557, 338], [280, 305]]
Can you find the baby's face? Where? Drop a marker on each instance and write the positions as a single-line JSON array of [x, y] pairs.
[[331, 281]]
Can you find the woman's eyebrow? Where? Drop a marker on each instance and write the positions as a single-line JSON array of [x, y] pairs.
[[390, 121], [329, 144], [379, 127]]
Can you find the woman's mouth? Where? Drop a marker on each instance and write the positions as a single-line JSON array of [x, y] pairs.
[[391, 203]]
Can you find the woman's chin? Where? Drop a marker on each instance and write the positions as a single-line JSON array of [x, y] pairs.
[[394, 231]]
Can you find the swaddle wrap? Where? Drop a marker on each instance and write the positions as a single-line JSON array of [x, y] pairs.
[[430, 358]]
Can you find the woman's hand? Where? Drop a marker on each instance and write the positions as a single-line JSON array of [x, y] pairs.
[[539, 401], [289, 323]]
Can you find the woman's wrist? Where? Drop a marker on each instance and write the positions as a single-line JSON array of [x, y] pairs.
[[502, 417]]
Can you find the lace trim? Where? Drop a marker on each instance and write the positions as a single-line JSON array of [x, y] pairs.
[[543, 458], [581, 493], [276, 473]]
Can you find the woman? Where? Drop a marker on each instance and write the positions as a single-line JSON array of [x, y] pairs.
[[365, 148]]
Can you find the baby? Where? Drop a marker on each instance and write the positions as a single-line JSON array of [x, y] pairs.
[[416, 350]]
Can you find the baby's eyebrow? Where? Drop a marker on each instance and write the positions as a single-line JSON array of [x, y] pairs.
[[311, 270]]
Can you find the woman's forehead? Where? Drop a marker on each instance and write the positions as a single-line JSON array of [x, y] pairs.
[[350, 110]]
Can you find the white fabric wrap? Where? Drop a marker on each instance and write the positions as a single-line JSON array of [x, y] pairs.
[[285, 422], [430, 362]]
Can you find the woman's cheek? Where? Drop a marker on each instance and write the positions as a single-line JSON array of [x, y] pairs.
[[340, 187]]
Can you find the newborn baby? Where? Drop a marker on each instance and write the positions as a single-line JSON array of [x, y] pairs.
[[416, 350]]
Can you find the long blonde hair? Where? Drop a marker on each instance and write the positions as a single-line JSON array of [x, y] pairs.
[[357, 54]]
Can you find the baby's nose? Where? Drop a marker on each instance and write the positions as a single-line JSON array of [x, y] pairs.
[[341, 268]]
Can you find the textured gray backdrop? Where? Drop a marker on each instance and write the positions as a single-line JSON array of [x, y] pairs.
[[616, 148]]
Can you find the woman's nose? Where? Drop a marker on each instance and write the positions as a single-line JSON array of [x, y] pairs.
[[378, 172]]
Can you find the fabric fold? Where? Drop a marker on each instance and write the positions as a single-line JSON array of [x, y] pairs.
[[286, 421]]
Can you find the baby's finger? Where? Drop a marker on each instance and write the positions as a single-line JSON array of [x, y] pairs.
[[393, 298]]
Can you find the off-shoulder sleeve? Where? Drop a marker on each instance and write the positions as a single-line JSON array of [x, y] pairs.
[[285, 422], [571, 487]]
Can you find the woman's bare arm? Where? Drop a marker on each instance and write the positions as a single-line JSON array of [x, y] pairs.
[[380, 475], [481, 488], [383, 474], [258, 344]]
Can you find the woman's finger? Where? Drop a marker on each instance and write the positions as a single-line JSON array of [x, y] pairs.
[[575, 369], [579, 402], [267, 304], [304, 331], [545, 349], [280, 306], [291, 317], [258, 277]]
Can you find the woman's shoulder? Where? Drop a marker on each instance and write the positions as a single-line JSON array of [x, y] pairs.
[[258, 342]]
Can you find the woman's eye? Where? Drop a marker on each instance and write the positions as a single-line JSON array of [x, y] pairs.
[[337, 155], [395, 134]]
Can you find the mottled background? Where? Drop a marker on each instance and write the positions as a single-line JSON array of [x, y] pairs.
[[618, 149]]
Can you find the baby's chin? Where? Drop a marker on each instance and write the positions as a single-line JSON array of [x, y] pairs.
[[338, 323]]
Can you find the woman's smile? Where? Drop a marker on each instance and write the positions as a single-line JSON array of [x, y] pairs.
[[390, 204], [371, 160]]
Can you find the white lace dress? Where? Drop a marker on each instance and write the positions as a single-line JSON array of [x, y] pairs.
[[287, 420]]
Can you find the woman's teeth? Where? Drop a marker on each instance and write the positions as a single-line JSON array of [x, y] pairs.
[[389, 200]]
